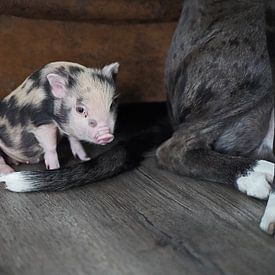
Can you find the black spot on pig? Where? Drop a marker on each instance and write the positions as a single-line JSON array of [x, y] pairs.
[[25, 112], [75, 70], [3, 107], [62, 117], [29, 145], [9, 110], [47, 87], [71, 81], [98, 77], [36, 78], [27, 140], [5, 137], [12, 102], [17, 114], [62, 71], [69, 78], [43, 114]]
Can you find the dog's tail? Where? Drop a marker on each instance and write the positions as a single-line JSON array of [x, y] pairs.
[[123, 156]]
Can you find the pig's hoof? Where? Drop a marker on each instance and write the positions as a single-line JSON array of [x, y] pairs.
[[82, 157], [51, 160]]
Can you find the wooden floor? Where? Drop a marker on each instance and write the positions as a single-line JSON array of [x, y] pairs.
[[145, 221]]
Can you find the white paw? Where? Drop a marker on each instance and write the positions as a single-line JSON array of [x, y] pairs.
[[268, 220], [257, 182], [265, 167], [254, 185]]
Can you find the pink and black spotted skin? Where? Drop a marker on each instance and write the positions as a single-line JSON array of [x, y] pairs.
[[219, 86], [61, 98]]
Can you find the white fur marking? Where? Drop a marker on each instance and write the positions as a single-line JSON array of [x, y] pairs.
[[265, 167], [16, 182], [257, 182], [268, 220]]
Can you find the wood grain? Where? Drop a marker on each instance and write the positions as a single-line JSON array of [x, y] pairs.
[[145, 221]]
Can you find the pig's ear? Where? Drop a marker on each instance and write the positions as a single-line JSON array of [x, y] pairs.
[[111, 70], [58, 85]]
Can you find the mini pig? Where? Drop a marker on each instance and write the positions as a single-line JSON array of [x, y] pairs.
[[62, 98]]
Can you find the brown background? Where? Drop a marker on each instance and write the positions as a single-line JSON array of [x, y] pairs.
[[94, 33]]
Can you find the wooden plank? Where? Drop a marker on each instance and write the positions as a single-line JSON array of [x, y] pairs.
[[217, 222], [78, 232], [145, 221]]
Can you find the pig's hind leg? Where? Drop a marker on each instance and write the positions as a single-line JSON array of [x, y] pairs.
[[250, 176]]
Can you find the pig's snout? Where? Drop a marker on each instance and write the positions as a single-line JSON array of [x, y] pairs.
[[103, 136], [107, 138]]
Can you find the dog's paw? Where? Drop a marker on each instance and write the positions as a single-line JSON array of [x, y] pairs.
[[268, 220], [257, 181]]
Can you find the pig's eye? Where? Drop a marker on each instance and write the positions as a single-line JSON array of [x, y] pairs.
[[81, 110]]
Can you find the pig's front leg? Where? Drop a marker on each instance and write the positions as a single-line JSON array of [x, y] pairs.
[[77, 149], [47, 138], [4, 167]]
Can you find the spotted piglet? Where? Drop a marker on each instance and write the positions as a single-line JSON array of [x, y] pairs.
[[62, 98]]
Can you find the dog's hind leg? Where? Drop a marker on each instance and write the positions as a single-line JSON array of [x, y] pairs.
[[250, 176]]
